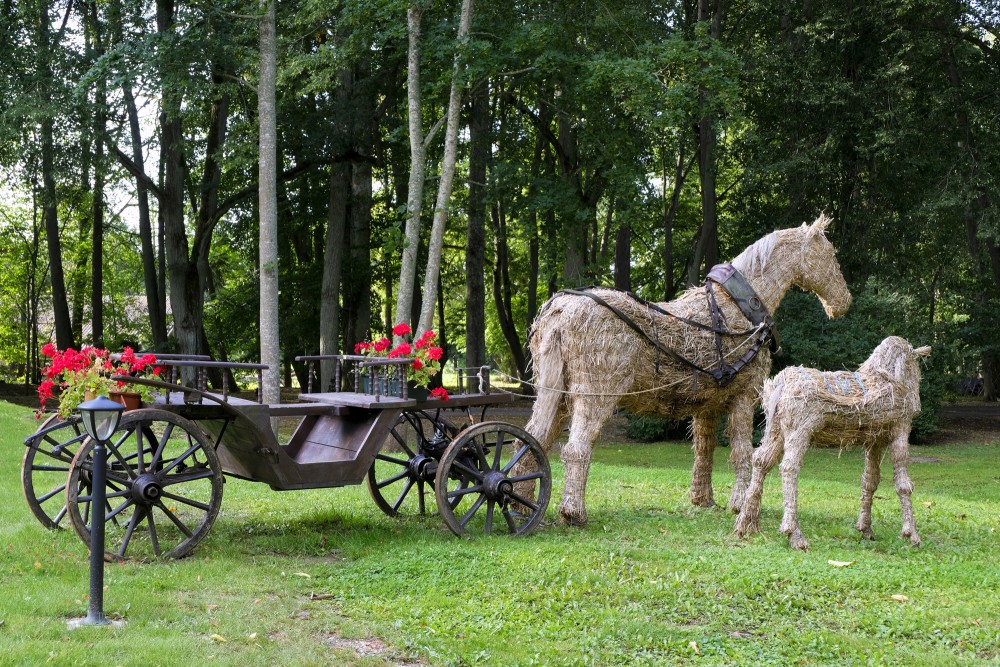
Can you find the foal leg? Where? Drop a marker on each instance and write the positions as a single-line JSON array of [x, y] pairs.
[[904, 485], [795, 449], [546, 422], [764, 459], [869, 483], [588, 416], [740, 431], [703, 433]]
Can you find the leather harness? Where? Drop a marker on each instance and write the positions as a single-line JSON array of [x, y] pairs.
[[736, 286]]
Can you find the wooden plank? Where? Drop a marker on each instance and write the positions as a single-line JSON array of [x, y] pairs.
[[366, 401]]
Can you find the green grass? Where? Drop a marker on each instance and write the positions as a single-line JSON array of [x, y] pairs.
[[650, 581]]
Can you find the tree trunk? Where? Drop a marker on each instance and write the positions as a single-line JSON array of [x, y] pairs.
[[435, 248], [502, 290], [415, 192], [50, 201], [707, 249], [623, 257], [270, 348], [100, 129], [475, 243], [333, 262], [669, 216]]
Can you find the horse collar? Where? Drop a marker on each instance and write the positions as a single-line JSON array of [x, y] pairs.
[[736, 286]]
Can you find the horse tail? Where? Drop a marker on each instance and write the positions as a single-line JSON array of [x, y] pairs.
[[550, 381]]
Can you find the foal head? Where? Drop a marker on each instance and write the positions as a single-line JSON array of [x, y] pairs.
[[818, 270]]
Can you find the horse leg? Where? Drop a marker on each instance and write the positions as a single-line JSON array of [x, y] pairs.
[[703, 430], [545, 424], [904, 485], [869, 484], [764, 459], [740, 431], [588, 416], [791, 465]]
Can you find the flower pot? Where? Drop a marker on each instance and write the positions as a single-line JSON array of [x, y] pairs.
[[131, 400], [392, 388]]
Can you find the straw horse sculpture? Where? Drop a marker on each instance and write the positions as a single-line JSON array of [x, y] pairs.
[[674, 359], [873, 407]]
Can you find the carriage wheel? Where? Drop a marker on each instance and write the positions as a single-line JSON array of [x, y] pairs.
[[164, 487], [45, 468], [475, 490], [402, 476]]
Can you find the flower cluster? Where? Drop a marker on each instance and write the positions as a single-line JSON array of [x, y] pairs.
[[425, 354], [89, 371]]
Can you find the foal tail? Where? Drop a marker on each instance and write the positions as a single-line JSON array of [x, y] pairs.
[[771, 394], [550, 381]]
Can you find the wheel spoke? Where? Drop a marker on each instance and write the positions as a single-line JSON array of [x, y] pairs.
[[421, 508], [402, 495], [161, 445], [186, 501], [180, 459], [177, 522], [390, 459], [524, 501], [472, 510], [393, 479], [526, 478], [59, 516], [489, 516], [153, 539], [498, 452], [44, 468], [53, 492], [517, 457], [458, 493], [470, 471], [509, 519], [132, 523], [180, 478], [481, 456], [118, 510]]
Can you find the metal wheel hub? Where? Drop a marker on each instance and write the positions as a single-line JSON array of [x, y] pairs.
[[496, 485], [146, 489], [422, 467]]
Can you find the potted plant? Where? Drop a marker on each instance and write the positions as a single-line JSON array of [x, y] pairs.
[[425, 356], [83, 374]]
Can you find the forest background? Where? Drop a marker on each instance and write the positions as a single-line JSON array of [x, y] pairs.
[[633, 143]]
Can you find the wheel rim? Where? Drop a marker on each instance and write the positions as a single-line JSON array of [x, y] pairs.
[[45, 469], [401, 479], [164, 487], [476, 490]]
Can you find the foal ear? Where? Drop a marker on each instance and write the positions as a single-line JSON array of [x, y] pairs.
[[924, 351], [820, 225]]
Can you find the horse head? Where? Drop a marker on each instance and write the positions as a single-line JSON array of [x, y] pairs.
[[897, 359], [818, 270]]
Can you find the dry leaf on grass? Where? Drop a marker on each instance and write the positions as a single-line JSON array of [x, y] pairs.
[[900, 598], [841, 563]]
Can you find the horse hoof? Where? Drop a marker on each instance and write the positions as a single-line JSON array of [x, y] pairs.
[[914, 539], [798, 542], [573, 517]]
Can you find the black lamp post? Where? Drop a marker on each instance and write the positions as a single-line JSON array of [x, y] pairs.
[[100, 419]]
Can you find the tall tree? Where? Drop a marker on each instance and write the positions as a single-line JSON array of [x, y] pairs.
[[270, 350]]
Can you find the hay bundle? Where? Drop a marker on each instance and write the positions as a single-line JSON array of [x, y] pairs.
[[588, 361], [872, 407]]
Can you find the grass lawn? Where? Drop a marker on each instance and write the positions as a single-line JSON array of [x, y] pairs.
[[323, 577]]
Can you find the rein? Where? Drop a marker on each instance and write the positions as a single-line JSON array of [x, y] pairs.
[[735, 285]]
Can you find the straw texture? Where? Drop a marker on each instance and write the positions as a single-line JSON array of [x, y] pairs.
[[872, 407], [588, 362]]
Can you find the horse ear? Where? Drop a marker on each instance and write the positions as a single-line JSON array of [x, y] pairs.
[[924, 351], [820, 225]]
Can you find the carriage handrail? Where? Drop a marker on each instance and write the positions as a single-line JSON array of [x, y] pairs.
[[201, 376], [184, 389], [363, 362]]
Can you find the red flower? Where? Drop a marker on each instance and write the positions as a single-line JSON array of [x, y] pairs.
[[362, 347], [382, 344], [435, 353], [440, 392], [402, 350], [401, 329], [49, 350], [45, 389], [417, 364]]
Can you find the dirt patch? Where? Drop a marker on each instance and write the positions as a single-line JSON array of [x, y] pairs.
[[369, 647]]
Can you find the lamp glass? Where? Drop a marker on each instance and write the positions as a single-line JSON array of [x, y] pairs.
[[100, 417]]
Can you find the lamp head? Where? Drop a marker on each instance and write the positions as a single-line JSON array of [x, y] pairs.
[[100, 417]]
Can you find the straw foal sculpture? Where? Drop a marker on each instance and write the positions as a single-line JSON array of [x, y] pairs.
[[676, 359], [873, 407]]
